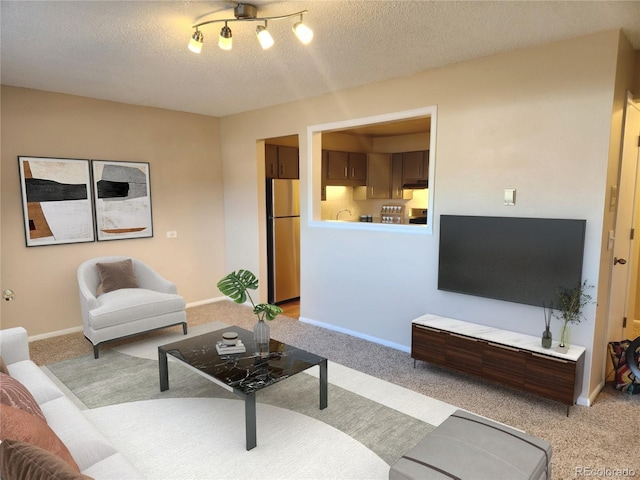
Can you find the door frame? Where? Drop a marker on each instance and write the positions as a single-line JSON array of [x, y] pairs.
[[628, 280]]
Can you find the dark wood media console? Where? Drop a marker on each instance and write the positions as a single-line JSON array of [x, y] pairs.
[[502, 356]]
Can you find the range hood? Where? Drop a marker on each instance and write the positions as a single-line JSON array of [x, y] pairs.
[[415, 184]]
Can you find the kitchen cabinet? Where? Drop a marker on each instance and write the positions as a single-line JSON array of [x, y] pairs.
[[378, 176], [502, 356], [384, 179], [397, 192], [415, 167], [281, 161], [344, 168]]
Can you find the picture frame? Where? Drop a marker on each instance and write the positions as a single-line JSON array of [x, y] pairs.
[[56, 200], [122, 199]]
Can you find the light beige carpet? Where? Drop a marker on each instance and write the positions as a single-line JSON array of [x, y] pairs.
[[597, 439], [368, 424]]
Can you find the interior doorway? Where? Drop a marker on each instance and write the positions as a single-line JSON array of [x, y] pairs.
[[282, 200], [631, 152], [624, 306]]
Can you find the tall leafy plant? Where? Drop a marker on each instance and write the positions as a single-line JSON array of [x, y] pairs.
[[236, 286], [571, 301]]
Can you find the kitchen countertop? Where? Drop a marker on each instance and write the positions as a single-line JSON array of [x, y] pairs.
[[374, 220]]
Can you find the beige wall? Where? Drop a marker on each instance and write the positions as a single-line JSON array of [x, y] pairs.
[[537, 119], [186, 191]]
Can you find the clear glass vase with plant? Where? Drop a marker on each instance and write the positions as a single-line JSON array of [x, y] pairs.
[[571, 302], [236, 286]]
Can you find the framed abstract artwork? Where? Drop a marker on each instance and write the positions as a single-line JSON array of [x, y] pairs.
[[56, 200], [122, 195]]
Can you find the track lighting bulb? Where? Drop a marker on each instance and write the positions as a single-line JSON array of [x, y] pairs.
[[195, 44], [225, 41], [264, 37], [304, 33]]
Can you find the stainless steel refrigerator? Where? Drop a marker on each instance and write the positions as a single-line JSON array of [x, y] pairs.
[[283, 239]]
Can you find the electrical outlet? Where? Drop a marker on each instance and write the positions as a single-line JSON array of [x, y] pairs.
[[172, 234]]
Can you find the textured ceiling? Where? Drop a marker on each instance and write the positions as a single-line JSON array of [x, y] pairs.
[[135, 51]]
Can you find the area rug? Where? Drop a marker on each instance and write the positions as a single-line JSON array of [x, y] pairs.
[[195, 430]]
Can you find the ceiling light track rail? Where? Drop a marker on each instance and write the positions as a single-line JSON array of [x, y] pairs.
[[256, 19], [245, 12]]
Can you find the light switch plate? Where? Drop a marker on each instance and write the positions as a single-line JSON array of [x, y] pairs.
[[510, 196]]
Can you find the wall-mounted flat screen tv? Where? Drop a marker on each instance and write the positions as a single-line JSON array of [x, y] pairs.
[[522, 260]]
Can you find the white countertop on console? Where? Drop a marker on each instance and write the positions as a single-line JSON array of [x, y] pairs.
[[499, 336]]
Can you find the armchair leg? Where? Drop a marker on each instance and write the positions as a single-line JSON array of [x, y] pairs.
[[184, 328], [96, 351]]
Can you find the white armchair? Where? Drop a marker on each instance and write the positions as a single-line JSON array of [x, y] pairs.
[[123, 312]]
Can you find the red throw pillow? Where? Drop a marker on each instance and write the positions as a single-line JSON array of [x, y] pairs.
[[20, 460], [16, 424], [14, 394]]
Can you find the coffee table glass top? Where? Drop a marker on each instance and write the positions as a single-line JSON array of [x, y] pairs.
[[246, 372]]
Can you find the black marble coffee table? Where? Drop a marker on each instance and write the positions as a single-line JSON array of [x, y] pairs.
[[242, 373]]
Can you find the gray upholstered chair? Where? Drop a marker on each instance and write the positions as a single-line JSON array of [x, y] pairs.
[[122, 296]]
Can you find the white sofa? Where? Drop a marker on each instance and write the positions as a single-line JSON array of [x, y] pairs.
[[94, 454]]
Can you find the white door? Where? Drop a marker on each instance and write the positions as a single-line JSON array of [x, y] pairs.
[[625, 264]]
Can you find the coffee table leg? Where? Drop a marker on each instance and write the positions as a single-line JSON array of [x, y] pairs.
[[250, 420], [164, 370], [324, 388]]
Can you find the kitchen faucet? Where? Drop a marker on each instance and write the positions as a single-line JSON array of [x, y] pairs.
[[343, 210]]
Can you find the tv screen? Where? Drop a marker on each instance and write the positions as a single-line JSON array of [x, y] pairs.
[[522, 260]]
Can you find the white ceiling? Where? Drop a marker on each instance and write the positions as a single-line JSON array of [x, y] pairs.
[[136, 51]]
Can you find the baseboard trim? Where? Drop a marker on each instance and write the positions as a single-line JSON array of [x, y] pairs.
[[380, 341], [205, 302], [67, 331], [588, 401], [57, 333]]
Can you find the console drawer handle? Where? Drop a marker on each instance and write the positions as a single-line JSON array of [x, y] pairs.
[[504, 347], [559, 360], [464, 337], [422, 327]]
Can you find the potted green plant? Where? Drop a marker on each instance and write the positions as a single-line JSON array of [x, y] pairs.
[[571, 301], [236, 286]]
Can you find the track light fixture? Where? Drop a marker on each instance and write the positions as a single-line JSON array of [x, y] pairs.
[[195, 44], [264, 37], [245, 12], [304, 33], [224, 42]]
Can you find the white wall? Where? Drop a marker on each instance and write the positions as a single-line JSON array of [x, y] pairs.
[[536, 119]]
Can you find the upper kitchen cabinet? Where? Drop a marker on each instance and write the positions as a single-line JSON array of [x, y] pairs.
[[415, 169], [384, 179], [281, 161], [397, 192], [344, 168], [379, 175]]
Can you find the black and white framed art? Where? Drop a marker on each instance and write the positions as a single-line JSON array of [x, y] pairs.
[[122, 195]]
